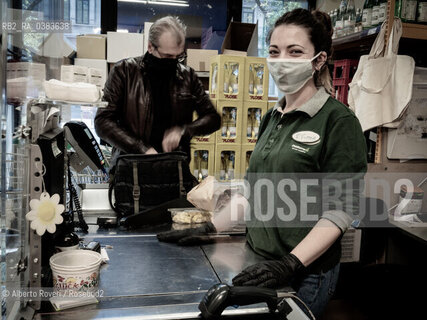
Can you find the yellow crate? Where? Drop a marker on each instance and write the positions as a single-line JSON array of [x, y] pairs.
[[231, 113], [253, 111], [227, 162], [226, 77], [256, 79], [208, 139], [202, 160], [245, 154]]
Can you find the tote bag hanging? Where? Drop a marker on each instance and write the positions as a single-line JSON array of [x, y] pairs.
[[382, 85]]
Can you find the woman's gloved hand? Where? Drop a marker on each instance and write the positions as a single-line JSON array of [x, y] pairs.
[[190, 236], [270, 274]]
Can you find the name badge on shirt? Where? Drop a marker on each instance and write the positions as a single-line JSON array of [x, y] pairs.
[[306, 137]]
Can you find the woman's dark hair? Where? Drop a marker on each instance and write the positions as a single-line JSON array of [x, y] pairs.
[[320, 31]]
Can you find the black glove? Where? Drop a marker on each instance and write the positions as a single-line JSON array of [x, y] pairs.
[[270, 274], [190, 236]]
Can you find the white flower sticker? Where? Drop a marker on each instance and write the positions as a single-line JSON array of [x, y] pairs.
[[45, 213]]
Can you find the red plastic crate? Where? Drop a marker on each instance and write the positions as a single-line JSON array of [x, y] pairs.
[[341, 93], [344, 71]]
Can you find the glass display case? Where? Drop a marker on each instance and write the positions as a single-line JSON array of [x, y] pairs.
[[37, 38]]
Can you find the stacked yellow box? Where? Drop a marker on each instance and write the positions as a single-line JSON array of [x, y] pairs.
[[203, 154], [255, 105], [226, 86], [238, 87]]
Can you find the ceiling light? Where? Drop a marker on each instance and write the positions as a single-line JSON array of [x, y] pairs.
[[175, 3]]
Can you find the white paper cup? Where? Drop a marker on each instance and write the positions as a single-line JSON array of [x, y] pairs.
[[75, 270]]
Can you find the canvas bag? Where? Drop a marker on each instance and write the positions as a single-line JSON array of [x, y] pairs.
[[382, 85]]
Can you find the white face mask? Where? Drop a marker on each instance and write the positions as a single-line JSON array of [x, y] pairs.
[[290, 75]]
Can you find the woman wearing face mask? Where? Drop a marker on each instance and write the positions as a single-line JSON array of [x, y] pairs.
[[310, 132]]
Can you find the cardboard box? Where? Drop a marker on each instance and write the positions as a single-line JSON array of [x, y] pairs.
[[202, 160], [256, 79], [124, 45], [227, 162], [208, 139], [199, 59], [97, 70], [226, 77], [74, 73], [231, 113], [242, 37], [91, 46], [245, 155], [36, 71], [253, 111]]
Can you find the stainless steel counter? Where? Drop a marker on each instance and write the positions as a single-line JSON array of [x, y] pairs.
[[148, 279]]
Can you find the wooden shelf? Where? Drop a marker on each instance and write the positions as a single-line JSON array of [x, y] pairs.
[[354, 45], [414, 31]]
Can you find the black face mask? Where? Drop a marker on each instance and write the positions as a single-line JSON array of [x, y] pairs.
[[161, 64]]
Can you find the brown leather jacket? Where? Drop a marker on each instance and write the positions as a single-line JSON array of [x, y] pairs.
[[126, 122]]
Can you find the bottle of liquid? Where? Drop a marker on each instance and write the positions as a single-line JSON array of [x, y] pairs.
[[214, 81], [334, 17], [196, 172], [225, 132], [259, 79], [251, 79], [422, 12], [334, 23], [358, 26], [251, 120], [383, 11], [227, 72], [230, 167], [340, 19], [398, 9], [375, 13], [234, 78], [409, 11], [204, 163], [367, 14], [232, 126], [223, 165], [350, 20]]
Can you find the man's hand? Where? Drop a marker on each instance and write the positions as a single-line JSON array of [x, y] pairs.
[[270, 274], [171, 139], [151, 151]]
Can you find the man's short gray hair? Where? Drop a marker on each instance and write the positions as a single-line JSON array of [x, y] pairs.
[[168, 23]]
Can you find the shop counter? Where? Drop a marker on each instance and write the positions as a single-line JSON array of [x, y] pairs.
[[148, 279]]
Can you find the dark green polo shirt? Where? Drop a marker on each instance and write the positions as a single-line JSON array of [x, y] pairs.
[[341, 148]]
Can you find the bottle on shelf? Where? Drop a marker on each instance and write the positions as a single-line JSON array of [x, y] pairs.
[[422, 12], [358, 26], [225, 131], [230, 167], [375, 13], [339, 25], [409, 11], [334, 23], [334, 17], [350, 18], [204, 164], [367, 14]]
